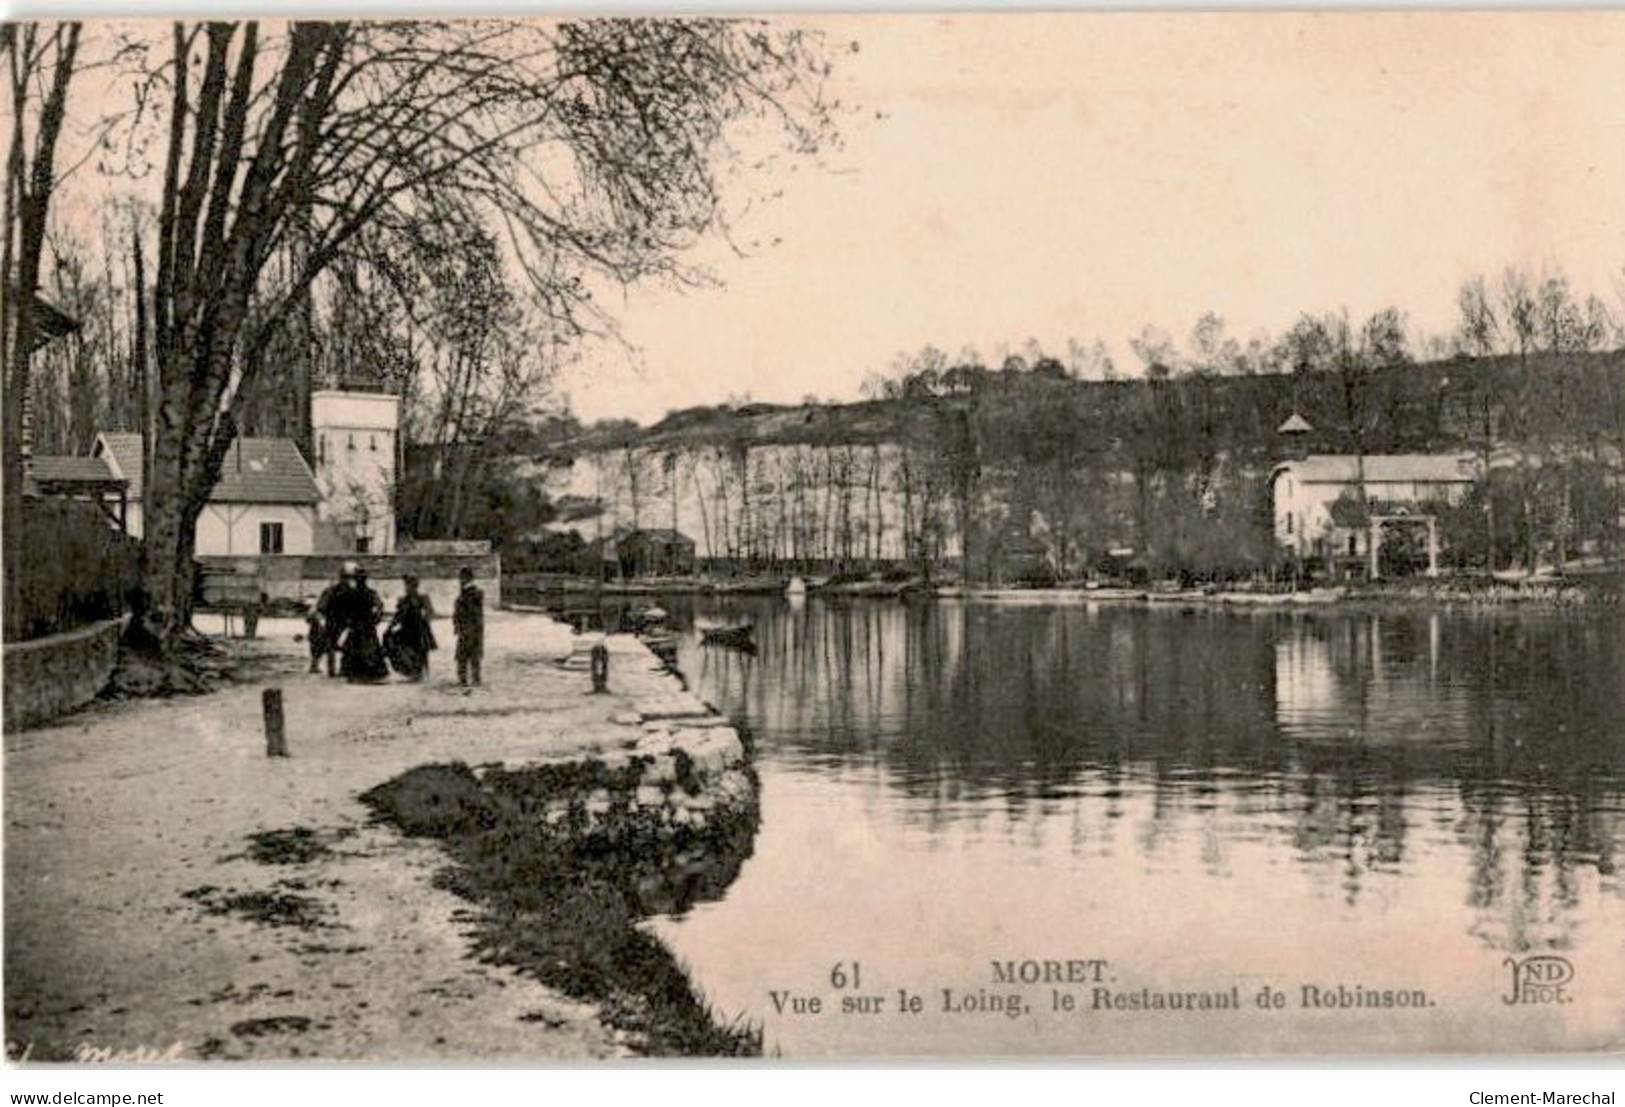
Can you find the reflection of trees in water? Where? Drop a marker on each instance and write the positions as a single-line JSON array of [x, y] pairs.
[[1530, 850], [1343, 734]]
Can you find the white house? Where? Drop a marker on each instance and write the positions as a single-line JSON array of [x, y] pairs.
[[355, 437], [265, 502], [1306, 494]]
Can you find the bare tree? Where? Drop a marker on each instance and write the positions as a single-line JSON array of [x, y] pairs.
[[40, 62], [1480, 331], [589, 144], [1479, 328]]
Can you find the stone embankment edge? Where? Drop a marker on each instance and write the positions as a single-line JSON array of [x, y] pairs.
[[49, 677], [636, 812]]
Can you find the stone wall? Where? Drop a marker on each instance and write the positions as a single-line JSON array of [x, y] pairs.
[[48, 677], [678, 770], [233, 580]]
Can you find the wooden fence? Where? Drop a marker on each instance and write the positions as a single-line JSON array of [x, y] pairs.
[[72, 569]]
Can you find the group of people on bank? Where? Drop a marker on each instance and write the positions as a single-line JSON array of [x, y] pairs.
[[343, 629]]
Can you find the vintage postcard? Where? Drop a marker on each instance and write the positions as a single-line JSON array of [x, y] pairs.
[[921, 536]]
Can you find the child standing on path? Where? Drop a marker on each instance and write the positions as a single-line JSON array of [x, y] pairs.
[[468, 621]]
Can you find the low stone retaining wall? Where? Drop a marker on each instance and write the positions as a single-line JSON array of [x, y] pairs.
[[301, 578], [48, 677]]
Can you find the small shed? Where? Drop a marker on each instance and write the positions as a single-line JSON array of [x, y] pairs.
[[659, 551], [80, 478]]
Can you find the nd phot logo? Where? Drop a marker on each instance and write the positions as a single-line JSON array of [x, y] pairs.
[[1543, 978]]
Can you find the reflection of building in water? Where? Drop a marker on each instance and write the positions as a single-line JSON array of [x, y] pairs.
[[1403, 715], [1377, 679]]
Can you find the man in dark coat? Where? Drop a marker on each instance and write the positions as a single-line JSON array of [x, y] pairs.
[[468, 620], [324, 629]]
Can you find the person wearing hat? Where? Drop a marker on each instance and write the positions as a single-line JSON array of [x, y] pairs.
[[410, 636], [468, 620]]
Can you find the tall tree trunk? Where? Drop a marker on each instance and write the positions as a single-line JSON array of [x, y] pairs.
[[138, 353]]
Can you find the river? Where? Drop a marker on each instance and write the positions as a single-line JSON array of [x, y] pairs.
[[1205, 800]]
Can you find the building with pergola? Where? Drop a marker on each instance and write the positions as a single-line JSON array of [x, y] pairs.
[[1321, 515]]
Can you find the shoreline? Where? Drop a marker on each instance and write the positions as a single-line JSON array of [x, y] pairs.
[[1591, 592], [226, 905]]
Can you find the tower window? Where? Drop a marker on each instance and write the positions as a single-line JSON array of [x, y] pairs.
[[352, 440], [372, 443]]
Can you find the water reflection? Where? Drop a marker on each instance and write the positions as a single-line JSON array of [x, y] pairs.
[[1361, 726], [1369, 782]]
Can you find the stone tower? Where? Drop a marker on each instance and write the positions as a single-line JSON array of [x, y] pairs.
[[356, 451]]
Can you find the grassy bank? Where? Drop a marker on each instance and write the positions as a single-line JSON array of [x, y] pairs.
[[562, 903], [1602, 591]]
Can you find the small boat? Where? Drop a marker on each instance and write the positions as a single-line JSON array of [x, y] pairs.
[[644, 620], [663, 646], [738, 635]]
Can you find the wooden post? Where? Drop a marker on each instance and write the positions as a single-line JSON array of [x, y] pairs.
[[276, 740], [1433, 546], [600, 668], [1376, 545]]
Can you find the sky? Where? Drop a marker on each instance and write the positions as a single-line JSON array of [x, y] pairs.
[[1082, 175]]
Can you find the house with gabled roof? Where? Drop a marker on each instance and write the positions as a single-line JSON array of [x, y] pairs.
[[1316, 498], [265, 502]]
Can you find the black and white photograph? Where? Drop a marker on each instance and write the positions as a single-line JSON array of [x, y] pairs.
[[568, 539]]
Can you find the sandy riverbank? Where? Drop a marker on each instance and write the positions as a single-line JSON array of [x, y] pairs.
[[166, 882]]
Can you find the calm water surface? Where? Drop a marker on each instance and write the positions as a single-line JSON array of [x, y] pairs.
[[1205, 799]]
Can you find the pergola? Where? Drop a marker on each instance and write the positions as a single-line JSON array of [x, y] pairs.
[[1403, 516]]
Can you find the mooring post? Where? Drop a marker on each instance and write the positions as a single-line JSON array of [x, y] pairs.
[[600, 668], [276, 739]]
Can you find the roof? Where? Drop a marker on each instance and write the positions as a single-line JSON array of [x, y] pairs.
[[265, 471], [123, 449], [52, 469], [1345, 510], [50, 322], [1295, 424], [1383, 468], [255, 471]]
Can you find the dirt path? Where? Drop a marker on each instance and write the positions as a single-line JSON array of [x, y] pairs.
[[166, 882]]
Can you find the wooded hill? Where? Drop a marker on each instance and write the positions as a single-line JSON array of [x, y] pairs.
[[1414, 407]]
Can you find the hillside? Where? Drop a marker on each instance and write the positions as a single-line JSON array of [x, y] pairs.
[[1418, 407]]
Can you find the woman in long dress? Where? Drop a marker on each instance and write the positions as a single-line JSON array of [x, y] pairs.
[[410, 636], [360, 610]]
